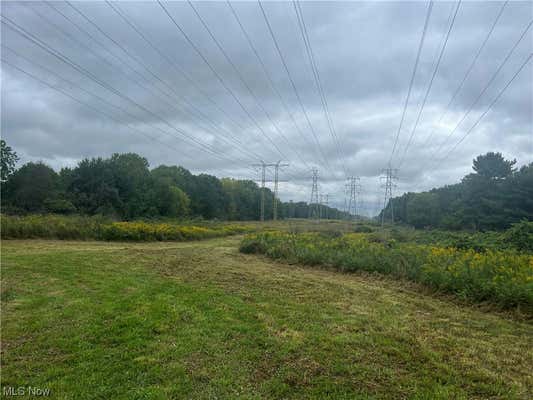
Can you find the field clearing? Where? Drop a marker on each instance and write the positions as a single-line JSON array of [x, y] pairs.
[[200, 320]]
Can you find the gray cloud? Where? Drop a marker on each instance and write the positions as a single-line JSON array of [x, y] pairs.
[[365, 53]]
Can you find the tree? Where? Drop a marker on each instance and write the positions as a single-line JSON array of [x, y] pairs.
[[242, 199], [494, 197], [132, 181], [8, 160], [169, 199], [422, 210], [91, 187], [32, 186], [493, 166]]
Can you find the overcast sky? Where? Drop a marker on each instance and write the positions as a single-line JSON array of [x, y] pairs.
[[147, 90]]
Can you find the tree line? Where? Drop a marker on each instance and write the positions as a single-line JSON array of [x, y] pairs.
[[124, 187], [493, 197]]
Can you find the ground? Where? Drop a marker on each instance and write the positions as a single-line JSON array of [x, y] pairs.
[[199, 320]]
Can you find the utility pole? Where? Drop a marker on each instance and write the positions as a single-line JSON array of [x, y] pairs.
[[389, 175], [354, 189], [263, 165], [276, 180], [314, 205]]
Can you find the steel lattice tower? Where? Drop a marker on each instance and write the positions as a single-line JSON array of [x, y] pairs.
[[314, 204], [353, 189], [324, 201], [389, 175]]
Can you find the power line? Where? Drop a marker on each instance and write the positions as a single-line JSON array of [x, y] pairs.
[[430, 83], [21, 31], [217, 75], [189, 79], [267, 74], [172, 105], [94, 109], [420, 45], [488, 108], [468, 71], [241, 78], [273, 36], [133, 57], [240, 145], [493, 77], [318, 82], [72, 84]]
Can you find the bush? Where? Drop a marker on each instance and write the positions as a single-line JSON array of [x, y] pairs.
[[520, 236], [59, 206], [363, 229], [99, 228], [502, 277], [51, 227]]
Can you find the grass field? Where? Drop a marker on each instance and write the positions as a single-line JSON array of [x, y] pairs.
[[199, 320]]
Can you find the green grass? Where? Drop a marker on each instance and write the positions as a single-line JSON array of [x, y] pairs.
[[199, 320]]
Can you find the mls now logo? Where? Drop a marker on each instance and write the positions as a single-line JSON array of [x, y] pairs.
[[25, 391]]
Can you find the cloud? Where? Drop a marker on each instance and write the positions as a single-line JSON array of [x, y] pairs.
[[364, 51]]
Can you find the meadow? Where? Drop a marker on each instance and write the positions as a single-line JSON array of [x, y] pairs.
[[289, 309], [199, 320]]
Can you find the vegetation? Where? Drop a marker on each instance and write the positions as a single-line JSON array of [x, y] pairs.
[[99, 228], [494, 197], [501, 277], [8, 160], [124, 188], [199, 320]]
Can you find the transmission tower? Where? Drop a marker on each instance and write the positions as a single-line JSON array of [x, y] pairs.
[[353, 189], [389, 175], [277, 166], [263, 166], [324, 201], [314, 204]]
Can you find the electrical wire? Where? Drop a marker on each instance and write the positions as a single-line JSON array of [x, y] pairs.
[[426, 95], [467, 73], [276, 44], [487, 85], [469, 131], [413, 74]]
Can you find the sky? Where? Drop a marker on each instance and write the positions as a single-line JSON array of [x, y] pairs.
[[208, 86]]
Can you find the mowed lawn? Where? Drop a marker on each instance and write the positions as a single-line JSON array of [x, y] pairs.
[[199, 320]]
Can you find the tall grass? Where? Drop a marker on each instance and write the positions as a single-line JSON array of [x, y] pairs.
[[504, 278], [99, 228]]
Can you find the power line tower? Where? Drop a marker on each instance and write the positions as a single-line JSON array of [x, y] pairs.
[[389, 175], [354, 189], [314, 204], [324, 201], [277, 166], [263, 166]]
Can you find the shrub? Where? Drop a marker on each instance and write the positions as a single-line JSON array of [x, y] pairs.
[[520, 236], [502, 277], [363, 229], [99, 228], [51, 227]]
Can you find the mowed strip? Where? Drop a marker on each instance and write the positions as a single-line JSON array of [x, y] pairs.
[[200, 320]]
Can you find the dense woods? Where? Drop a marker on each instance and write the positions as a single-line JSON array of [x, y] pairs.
[[493, 197], [124, 187]]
